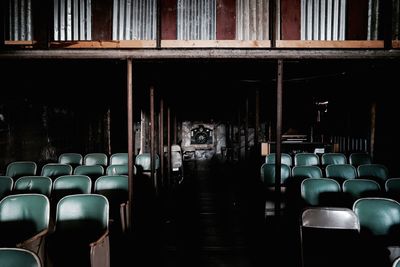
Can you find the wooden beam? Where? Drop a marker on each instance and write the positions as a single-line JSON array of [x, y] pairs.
[[152, 140], [373, 129], [357, 20], [175, 130], [226, 19], [104, 44], [161, 132], [279, 96], [231, 54], [131, 139], [257, 118], [395, 44], [329, 44], [246, 129], [215, 43], [291, 14], [102, 19], [169, 145], [168, 20]]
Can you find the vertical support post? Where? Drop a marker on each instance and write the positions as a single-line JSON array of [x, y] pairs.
[[169, 144], [272, 22], [131, 137], [373, 128], [246, 130], [152, 139], [279, 94], [108, 130], [239, 135], [257, 119], [175, 130], [161, 129]]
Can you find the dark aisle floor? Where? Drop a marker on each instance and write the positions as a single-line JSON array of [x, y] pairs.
[[215, 218]]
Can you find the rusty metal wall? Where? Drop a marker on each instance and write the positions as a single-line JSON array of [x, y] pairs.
[[373, 19], [396, 20], [72, 20], [252, 19], [196, 19], [134, 19], [323, 19], [19, 20]]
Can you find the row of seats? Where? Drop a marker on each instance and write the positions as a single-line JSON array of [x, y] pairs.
[[364, 235], [76, 159], [80, 234], [311, 159], [340, 172]]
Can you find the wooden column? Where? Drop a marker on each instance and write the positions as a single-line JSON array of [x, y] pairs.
[[152, 139], [246, 130], [102, 19], [279, 94], [159, 24], [373, 129], [161, 126], [169, 144], [257, 119], [131, 139], [175, 130]]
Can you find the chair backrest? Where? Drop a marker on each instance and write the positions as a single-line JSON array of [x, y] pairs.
[[29, 212], [119, 159], [95, 159], [72, 184], [392, 185], [329, 237], [306, 172], [176, 148], [306, 159], [93, 171], [120, 169], [333, 158], [33, 184], [18, 169], [143, 160], [357, 159], [18, 257], [373, 171], [341, 172], [318, 191], [359, 188], [54, 170], [85, 214], [115, 189], [396, 263], [73, 159], [285, 159], [6, 185], [268, 174], [380, 227]]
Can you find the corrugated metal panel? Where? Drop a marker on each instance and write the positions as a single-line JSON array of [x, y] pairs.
[[373, 19], [134, 19], [252, 19], [396, 19], [323, 19], [72, 20], [196, 19], [20, 20]]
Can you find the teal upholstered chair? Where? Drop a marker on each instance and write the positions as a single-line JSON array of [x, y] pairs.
[[357, 159], [117, 169], [377, 172], [285, 159], [33, 184], [333, 158], [320, 191], [18, 257], [73, 159], [81, 232], [18, 169], [54, 170], [24, 222], [341, 172], [95, 159], [380, 228], [302, 172], [119, 159], [306, 159]]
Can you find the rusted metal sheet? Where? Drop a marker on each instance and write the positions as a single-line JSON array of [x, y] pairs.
[[134, 19], [226, 19], [252, 19], [290, 12], [323, 19], [72, 20], [196, 19], [19, 20]]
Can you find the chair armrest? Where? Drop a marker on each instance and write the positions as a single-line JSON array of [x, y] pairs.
[[27, 242], [100, 251]]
